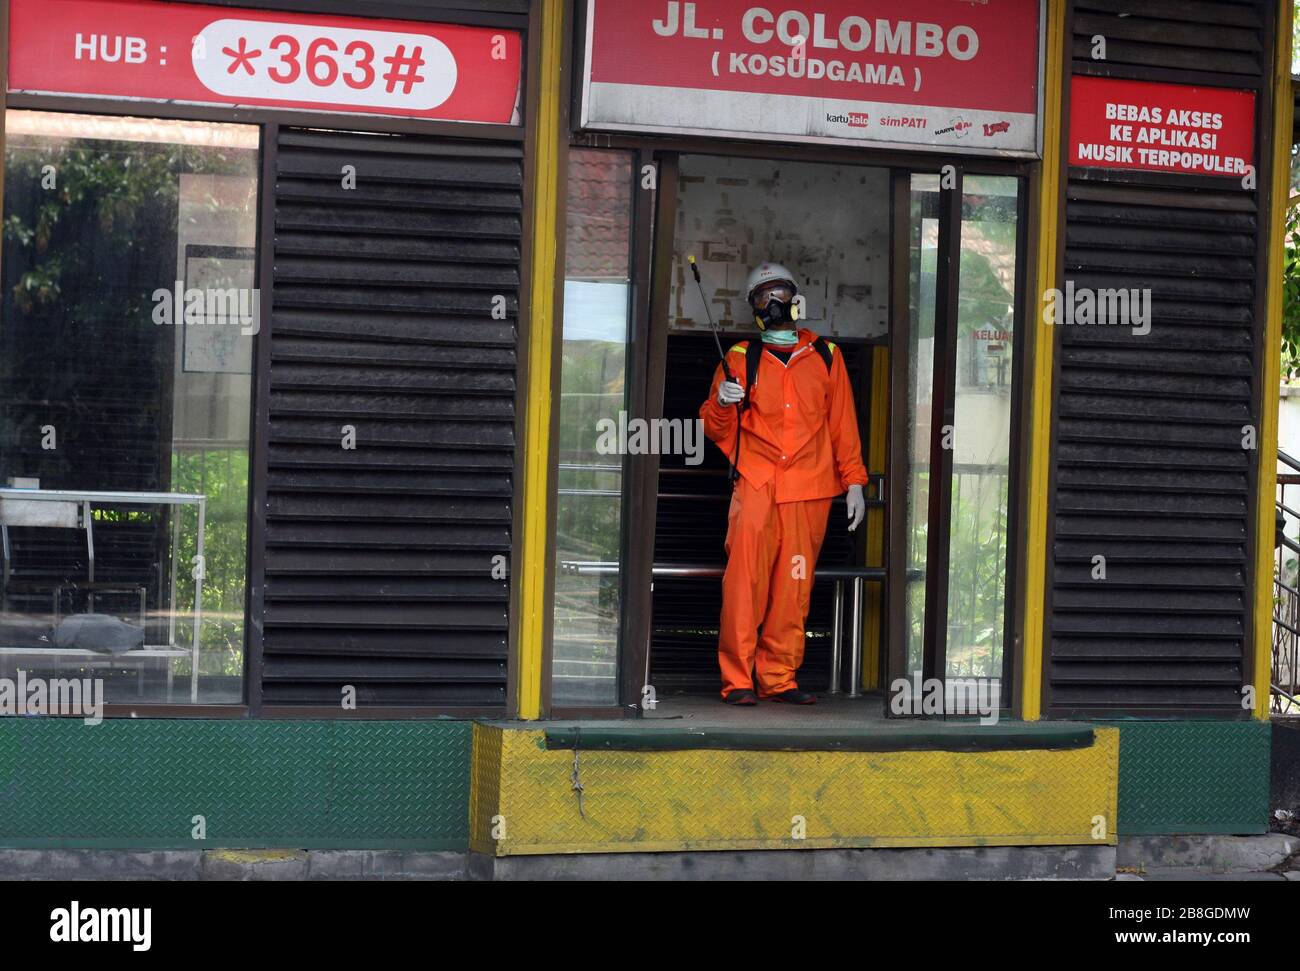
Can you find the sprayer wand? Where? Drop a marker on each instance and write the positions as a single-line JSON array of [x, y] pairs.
[[726, 369], [695, 270]]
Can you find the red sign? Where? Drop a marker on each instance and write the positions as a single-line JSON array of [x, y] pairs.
[[928, 73], [1161, 127], [152, 51]]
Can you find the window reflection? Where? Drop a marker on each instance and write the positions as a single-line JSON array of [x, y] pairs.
[[982, 429], [981, 444], [923, 250], [592, 388], [127, 322]]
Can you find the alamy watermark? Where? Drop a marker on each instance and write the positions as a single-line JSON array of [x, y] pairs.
[[1085, 305], [950, 696], [129, 925], [653, 436], [53, 696], [216, 306]]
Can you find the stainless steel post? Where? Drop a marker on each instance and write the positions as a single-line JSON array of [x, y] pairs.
[[175, 513], [88, 516], [855, 641], [198, 603], [837, 637]]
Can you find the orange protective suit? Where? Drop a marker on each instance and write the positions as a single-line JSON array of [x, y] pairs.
[[799, 449]]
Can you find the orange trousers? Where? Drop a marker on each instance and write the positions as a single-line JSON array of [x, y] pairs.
[[771, 552]]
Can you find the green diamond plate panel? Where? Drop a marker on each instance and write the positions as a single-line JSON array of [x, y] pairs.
[[1193, 777], [308, 784], [386, 776]]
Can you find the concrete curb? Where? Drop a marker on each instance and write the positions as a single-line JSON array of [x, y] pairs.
[[101, 865], [956, 863], [1135, 858], [1213, 854], [239, 865]]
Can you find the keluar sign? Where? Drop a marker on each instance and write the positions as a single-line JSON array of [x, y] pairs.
[[150, 51], [1117, 124], [929, 74]]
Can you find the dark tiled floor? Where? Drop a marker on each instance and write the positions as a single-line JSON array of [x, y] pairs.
[[833, 714], [831, 711]]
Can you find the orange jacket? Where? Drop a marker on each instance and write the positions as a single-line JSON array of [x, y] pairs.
[[801, 428]]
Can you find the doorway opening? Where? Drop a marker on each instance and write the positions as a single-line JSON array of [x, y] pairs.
[[830, 225], [915, 277]]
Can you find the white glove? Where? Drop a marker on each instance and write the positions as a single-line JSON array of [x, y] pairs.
[[857, 507], [729, 392]]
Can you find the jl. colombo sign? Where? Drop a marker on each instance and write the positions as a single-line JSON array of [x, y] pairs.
[[928, 74]]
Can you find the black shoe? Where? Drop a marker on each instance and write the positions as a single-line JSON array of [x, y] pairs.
[[795, 697], [741, 696]]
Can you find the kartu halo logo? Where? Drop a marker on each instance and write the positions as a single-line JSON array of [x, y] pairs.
[[266, 61], [854, 119]]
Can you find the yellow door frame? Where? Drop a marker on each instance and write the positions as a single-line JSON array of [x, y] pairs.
[[531, 621], [1038, 454], [1270, 376]]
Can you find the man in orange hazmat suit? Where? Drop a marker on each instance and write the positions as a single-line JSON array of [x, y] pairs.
[[798, 448]]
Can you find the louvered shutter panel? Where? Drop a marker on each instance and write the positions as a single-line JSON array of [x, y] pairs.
[[1149, 469], [379, 558]]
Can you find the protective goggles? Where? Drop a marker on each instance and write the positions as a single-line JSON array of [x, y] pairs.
[[777, 291]]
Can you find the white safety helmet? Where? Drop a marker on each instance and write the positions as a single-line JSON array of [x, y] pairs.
[[765, 273], [776, 313]]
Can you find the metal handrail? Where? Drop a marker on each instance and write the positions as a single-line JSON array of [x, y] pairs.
[[871, 574], [1283, 624], [858, 576], [1285, 679], [1278, 689]]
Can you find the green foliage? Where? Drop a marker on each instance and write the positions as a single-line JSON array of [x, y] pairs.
[[977, 575], [977, 557], [1291, 296], [102, 198], [592, 376], [222, 476], [1295, 37]]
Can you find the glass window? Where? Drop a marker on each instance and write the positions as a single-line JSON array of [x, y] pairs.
[[592, 395], [977, 533], [127, 325], [977, 579], [923, 250]]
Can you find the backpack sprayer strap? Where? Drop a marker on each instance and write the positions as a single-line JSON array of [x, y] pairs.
[[753, 358]]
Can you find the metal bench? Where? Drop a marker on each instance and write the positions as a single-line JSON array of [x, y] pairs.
[[69, 508]]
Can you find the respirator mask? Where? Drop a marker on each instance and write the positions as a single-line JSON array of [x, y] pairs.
[[774, 307]]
